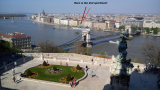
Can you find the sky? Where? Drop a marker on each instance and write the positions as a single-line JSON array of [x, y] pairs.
[[68, 6]]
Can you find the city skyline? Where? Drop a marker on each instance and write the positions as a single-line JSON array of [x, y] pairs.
[[113, 6]]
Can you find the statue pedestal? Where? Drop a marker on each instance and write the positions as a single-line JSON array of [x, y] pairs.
[[120, 82]]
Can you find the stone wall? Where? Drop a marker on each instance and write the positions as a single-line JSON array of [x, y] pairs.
[[78, 58]]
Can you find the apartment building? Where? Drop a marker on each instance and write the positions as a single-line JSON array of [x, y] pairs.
[[17, 39]]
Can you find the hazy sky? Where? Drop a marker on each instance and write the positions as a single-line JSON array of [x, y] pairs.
[[68, 6]]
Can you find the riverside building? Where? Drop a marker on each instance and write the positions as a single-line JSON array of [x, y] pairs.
[[17, 39]]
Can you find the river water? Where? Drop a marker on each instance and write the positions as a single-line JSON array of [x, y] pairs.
[[43, 32], [38, 32], [135, 47]]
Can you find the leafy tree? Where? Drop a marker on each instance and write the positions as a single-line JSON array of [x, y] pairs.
[[147, 30], [155, 30], [78, 67], [45, 63], [28, 72], [122, 27], [134, 28], [6, 47]]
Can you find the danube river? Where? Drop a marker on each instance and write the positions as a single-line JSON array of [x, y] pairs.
[[43, 32], [38, 32]]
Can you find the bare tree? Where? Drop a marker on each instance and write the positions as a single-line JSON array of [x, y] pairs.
[[151, 52], [48, 47], [79, 48]]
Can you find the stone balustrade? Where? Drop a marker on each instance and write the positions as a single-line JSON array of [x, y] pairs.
[[67, 57]]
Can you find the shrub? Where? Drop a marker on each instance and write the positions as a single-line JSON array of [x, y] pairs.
[[78, 67], [69, 78], [28, 72], [63, 80], [45, 64], [55, 68]]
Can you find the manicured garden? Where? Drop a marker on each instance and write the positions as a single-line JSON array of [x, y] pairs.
[[55, 73]]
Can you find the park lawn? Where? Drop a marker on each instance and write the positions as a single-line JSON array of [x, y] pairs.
[[56, 78]]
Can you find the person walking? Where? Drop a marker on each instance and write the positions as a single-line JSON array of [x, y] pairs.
[[13, 71], [92, 61], [92, 74], [71, 83], [47, 61], [66, 64], [86, 68], [14, 78], [74, 83]]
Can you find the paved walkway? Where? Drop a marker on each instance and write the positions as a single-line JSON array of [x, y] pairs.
[[138, 81], [90, 83]]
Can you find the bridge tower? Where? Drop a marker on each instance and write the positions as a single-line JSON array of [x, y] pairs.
[[86, 38], [128, 29]]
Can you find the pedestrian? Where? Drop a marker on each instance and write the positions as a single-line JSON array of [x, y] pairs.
[[14, 79], [71, 84], [74, 83], [13, 71], [47, 61], [66, 64], [92, 61], [86, 68], [60, 62], [92, 74]]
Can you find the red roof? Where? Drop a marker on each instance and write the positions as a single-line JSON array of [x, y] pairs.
[[15, 34]]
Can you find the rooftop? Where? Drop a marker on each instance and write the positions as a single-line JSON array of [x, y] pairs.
[[13, 35]]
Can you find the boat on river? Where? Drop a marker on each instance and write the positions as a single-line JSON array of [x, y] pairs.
[[114, 42], [78, 28]]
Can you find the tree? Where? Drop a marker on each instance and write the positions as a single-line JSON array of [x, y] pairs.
[[155, 31], [28, 72], [147, 30], [79, 48], [6, 47], [151, 52], [78, 67], [122, 27], [134, 28], [45, 63], [48, 47]]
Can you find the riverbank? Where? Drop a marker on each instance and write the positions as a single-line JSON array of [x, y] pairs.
[[69, 27], [53, 24]]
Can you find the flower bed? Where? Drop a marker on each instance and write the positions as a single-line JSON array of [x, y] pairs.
[[74, 69], [34, 75], [77, 69], [60, 75], [64, 80]]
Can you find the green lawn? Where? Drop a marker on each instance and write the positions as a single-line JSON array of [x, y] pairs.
[[56, 78]]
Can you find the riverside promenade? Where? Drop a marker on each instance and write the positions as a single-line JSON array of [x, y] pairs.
[[100, 67]]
